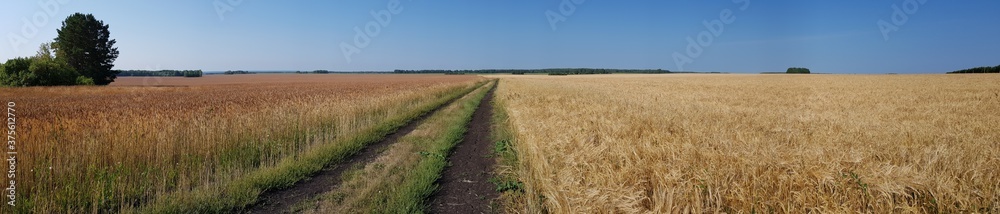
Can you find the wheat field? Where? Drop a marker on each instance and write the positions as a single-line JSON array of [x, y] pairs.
[[756, 143], [116, 148]]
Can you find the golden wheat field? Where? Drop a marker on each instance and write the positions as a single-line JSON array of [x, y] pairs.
[[756, 143], [107, 149]]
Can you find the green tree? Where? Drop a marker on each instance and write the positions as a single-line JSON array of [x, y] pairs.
[[84, 43], [192, 73], [45, 51], [995, 69]]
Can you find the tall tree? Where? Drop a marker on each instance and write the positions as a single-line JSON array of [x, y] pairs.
[[44, 51], [85, 44]]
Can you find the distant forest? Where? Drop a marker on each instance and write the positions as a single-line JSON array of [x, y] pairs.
[[237, 72], [994, 69], [537, 71], [160, 73]]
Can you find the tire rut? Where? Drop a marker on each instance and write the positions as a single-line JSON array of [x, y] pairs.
[[329, 178], [464, 184]]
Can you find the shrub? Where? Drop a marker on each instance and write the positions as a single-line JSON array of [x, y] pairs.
[[52, 72], [82, 80], [15, 72], [37, 72]]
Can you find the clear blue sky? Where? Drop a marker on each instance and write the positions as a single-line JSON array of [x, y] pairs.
[[769, 35]]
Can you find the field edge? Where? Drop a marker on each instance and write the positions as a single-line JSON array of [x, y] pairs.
[[238, 194]]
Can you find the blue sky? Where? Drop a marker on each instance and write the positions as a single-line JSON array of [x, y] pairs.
[[768, 35]]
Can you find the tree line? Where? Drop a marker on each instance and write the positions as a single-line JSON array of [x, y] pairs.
[[797, 70], [314, 72], [237, 72], [560, 71], [82, 54], [994, 69], [161, 73]]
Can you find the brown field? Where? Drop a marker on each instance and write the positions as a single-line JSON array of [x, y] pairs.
[[756, 143], [282, 78], [89, 149]]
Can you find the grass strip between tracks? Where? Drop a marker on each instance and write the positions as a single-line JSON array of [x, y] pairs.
[[403, 177], [223, 197]]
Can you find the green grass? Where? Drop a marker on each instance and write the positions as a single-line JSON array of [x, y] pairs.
[[244, 191], [397, 184], [411, 194], [512, 197]]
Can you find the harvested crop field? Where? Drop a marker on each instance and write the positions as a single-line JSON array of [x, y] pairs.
[[136, 147], [756, 143]]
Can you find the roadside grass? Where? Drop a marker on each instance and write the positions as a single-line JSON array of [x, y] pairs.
[[401, 179], [512, 192], [243, 191]]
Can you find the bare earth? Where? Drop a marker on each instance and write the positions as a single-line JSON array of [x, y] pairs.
[[464, 184]]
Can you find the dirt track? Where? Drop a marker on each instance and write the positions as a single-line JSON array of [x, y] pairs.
[[464, 184], [329, 178]]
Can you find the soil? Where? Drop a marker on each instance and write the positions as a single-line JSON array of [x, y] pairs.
[[329, 178], [464, 184]]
